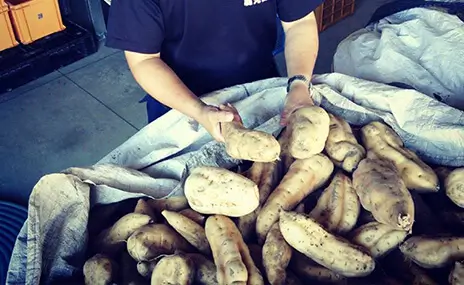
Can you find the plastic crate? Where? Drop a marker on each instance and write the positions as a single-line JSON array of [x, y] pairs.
[[7, 38], [26, 63], [332, 11], [35, 19]]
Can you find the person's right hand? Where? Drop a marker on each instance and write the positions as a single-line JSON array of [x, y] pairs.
[[210, 119]]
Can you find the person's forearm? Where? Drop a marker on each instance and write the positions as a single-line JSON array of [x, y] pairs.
[[301, 46], [159, 81]]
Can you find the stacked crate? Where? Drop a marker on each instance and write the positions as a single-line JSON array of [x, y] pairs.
[[26, 21], [7, 36], [332, 11]]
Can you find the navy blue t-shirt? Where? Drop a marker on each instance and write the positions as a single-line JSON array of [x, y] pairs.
[[209, 44]]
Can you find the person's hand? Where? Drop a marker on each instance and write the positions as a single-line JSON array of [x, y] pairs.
[[297, 98], [211, 117], [230, 108]]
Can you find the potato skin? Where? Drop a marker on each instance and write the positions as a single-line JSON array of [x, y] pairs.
[[214, 190], [150, 241], [383, 193], [303, 177], [379, 138], [173, 269], [267, 177], [189, 230], [175, 203], [110, 240], [245, 144], [231, 255], [309, 238], [145, 268], [341, 145], [456, 276], [194, 216], [338, 207], [223, 237], [277, 254], [454, 186], [309, 129], [309, 270], [379, 239], [99, 270], [143, 207], [286, 157], [205, 270], [433, 252]]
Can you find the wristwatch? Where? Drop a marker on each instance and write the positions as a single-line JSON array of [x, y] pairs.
[[300, 78]]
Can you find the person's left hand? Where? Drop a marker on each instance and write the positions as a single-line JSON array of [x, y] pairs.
[[298, 97]]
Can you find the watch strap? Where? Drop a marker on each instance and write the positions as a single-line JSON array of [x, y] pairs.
[[298, 78]]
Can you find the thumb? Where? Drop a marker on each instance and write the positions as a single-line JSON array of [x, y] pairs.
[[284, 116], [223, 116]]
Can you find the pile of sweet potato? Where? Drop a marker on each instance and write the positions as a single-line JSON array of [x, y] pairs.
[[320, 204]]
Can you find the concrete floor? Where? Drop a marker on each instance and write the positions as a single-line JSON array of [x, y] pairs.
[[76, 115]]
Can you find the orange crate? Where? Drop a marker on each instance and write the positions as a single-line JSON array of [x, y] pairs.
[[7, 37], [332, 11], [35, 19]]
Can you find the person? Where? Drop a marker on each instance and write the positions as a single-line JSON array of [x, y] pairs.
[[178, 50]]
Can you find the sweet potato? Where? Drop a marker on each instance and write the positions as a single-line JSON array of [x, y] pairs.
[[334, 253], [194, 216], [150, 241], [266, 176], [301, 208], [386, 144], [145, 268], [277, 254], [456, 276], [214, 190], [99, 269], [247, 224], [433, 252], [382, 192], [175, 203], [255, 276], [205, 270], [231, 254], [309, 129], [309, 270], [173, 269], [285, 156], [338, 207], [303, 177], [379, 239], [188, 229], [110, 240], [454, 186], [143, 207], [246, 144], [341, 145]]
